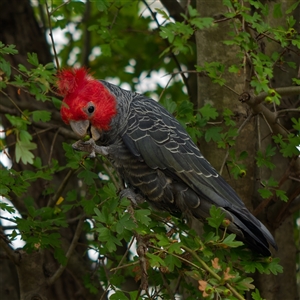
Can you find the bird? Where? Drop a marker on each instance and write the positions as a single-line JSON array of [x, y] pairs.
[[154, 155]]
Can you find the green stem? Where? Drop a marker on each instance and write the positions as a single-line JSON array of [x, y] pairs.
[[214, 274]]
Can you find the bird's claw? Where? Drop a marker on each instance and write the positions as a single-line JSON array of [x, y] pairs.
[[90, 147], [132, 196]]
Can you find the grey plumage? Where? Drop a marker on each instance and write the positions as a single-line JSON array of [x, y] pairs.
[[156, 157]]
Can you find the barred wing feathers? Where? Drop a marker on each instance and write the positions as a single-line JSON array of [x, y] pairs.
[[156, 137]]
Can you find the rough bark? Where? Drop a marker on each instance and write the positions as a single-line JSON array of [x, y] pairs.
[[19, 27], [255, 134], [209, 49], [283, 286]]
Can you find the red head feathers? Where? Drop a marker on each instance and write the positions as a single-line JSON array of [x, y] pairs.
[[85, 98]]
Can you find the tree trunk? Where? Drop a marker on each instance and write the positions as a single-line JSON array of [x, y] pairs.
[[19, 27], [255, 134]]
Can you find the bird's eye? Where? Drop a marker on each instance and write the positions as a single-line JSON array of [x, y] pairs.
[[91, 109]]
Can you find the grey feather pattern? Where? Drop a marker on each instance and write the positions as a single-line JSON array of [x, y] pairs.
[[155, 155]]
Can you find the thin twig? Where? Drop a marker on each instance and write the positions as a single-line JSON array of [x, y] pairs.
[[214, 274], [165, 88], [118, 185], [51, 35], [294, 178], [282, 91], [288, 110], [70, 251], [175, 255], [171, 294], [124, 266], [52, 146], [14, 103], [168, 44], [124, 256], [59, 191], [234, 138], [8, 219], [58, 7], [273, 39], [192, 72]]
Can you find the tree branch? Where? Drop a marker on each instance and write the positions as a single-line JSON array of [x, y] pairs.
[[174, 9], [71, 249], [234, 138], [282, 91], [51, 35], [13, 256], [67, 133], [215, 275], [171, 53], [269, 116], [59, 191]]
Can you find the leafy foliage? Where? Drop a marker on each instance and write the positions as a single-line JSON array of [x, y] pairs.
[[158, 250]]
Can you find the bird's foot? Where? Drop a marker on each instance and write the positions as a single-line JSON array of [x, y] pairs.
[[90, 147], [132, 196]]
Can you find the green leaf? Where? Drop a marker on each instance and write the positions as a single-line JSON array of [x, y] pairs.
[[296, 81], [296, 123], [277, 12], [88, 176], [175, 248], [17, 122], [234, 69], [275, 267], [243, 155], [282, 195], [56, 102], [109, 190], [230, 241], [60, 256], [33, 59], [246, 284], [88, 205], [169, 105], [163, 13], [216, 217], [193, 12], [272, 182], [213, 133], [256, 295], [4, 190], [5, 67], [100, 217], [125, 222], [5, 206], [141, 216], [9, 49], [23, 152], [265, 193], [265, 159], [41, 115], [163, 240], [172, 262], [25, 136], [89, 284], [101, 5], [201, 23], [118, 295], [105, 235], [208, 112], [155, 260], [292, 7], [106, 50]]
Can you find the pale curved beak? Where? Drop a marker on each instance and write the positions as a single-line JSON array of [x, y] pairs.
[[83, 128]]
